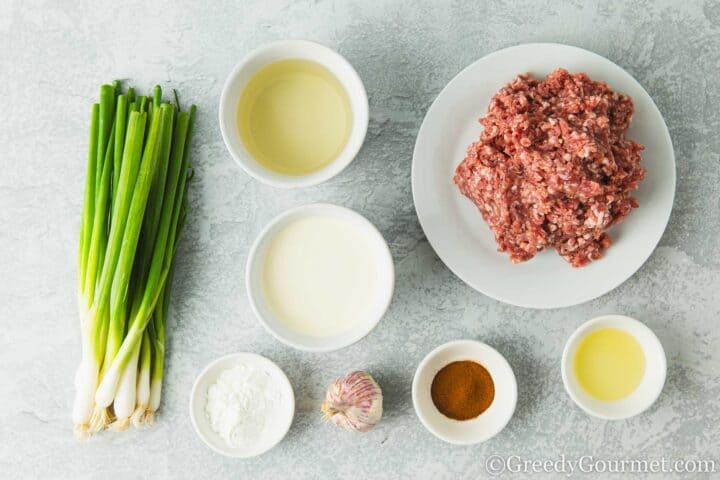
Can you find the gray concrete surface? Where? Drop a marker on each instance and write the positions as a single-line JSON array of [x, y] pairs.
[[53, 55]]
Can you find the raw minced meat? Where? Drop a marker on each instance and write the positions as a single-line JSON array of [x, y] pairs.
[[552, 167]]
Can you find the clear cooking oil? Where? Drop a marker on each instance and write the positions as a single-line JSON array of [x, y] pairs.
[[294, 117]]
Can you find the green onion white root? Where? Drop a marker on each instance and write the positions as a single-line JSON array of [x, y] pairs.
[[134, 209]]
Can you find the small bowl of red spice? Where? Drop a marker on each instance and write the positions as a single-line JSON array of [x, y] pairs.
[[464, 392]]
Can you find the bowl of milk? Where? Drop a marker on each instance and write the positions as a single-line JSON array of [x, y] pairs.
[[320, 277]]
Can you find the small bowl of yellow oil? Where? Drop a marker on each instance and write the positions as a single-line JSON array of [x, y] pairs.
[[614, 367], [293, 113]]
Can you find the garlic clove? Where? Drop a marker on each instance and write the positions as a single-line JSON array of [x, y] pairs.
[[354, 402]]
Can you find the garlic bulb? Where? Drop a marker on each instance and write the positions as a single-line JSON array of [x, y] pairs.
[[354, 402]]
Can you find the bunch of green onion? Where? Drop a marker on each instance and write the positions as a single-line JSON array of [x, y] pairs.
[[135, 205]]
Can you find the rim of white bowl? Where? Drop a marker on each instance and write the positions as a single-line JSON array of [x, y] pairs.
[[320, 344], [286, 49], [218, 445], [505, 372], [651, 385]]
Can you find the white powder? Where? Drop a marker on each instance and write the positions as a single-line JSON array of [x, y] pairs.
[[242, 405]]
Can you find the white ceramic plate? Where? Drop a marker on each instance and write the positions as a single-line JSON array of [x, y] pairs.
[[279, 424], [254, 279], [650, 386], [455, 228], [492, 420]]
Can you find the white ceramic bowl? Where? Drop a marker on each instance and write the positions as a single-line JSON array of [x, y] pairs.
[[280, 423], [650, 386], [254, 279], [492, 420], [272, 52]]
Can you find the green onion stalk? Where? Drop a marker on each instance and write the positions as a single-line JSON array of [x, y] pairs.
[[138, 256], [124, 362], [94, 247], [157, 326], [134, 206]]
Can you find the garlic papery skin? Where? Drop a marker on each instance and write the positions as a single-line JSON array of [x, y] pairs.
[[354, 402]]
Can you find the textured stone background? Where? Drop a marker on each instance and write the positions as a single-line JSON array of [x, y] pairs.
[[52, 59]]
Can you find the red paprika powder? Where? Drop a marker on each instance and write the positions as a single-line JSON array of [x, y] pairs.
[[462, 390]]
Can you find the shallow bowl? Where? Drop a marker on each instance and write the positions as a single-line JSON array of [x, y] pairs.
[[650, 386], [283, 50], [487, 424]]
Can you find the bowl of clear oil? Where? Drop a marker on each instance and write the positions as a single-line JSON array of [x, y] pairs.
[[293, 113], [613, 367]]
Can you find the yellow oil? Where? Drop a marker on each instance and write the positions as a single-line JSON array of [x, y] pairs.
[[294, 117], [609, 364]]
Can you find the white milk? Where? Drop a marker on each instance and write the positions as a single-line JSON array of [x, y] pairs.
[[320, 276]]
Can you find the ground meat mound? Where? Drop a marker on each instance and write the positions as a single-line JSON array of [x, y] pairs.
[[552, 167]]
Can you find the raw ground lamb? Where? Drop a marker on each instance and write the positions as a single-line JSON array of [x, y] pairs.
[[552, 167]]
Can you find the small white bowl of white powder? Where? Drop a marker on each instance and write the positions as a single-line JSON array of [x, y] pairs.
[[242, 405]]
